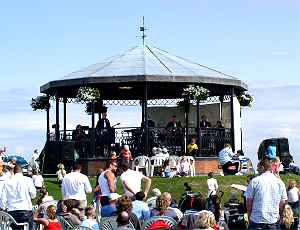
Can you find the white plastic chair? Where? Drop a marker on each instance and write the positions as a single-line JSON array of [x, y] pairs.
[[173, 161], [142, 162], [6, 220], [191, 161], [156, 161]]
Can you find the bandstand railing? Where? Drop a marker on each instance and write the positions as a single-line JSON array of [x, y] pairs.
[[92, 143]]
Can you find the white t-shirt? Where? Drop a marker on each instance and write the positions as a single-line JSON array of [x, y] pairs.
[[293, 195], [75, 185], [133, 180], [212, 185], [38, 180]]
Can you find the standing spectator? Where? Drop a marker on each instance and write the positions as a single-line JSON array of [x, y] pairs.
[[212, 184], [60, 173], [90, 221], [18, 192], [50, 223], [277, 167], [132, 181], [75, 185], [125, 155], [44, 201], [266, 196], [38, 180], [293, 197], [107, 180], [140, 208], [3, 178]]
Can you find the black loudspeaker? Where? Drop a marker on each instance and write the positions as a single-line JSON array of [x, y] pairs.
[[67, 150]]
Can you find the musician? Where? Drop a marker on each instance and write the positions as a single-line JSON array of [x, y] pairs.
[[204, 123], [104, 132], [174, 132], [173, 124], [103, 124]]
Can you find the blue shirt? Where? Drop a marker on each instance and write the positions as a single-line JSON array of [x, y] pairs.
[[141, 209], [225, 155], [266, 191], [108, 210]]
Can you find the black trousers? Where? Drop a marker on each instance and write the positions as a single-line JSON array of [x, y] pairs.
[[22, 216]]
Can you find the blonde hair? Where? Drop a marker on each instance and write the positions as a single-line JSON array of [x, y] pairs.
[[291, 184], [205, 219], [51, 212], [163, 202], [287, 217]]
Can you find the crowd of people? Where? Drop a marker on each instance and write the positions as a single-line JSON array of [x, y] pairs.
[[268, 204]]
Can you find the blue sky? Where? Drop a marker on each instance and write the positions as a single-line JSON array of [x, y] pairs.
[[257, 41]]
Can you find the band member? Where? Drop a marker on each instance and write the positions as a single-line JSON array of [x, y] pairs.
[[174, 132], [204, 123], [104, 134], [103, 124]]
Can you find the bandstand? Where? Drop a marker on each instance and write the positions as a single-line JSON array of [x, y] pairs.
[[152, 78]]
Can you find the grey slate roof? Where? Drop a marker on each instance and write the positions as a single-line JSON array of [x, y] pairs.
[[147, 61]]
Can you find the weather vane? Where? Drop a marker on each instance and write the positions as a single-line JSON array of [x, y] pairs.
[[142, 29]]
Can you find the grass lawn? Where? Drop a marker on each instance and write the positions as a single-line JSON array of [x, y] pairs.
[[175, 185]]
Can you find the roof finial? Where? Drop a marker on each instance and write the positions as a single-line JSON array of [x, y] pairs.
[[142, 29]]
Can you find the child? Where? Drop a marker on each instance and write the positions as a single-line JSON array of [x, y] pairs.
[[51, 223], [276, 166], [192, 147], [60, 173], [38, 180], [287, 218], [166, 169], [293, 197], [212, 184]]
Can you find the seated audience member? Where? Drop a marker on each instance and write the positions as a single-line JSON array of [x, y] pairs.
[[163, 207], [38, 180], [110, 209], [140, 208], [124, 203], [123, 221], [205, 221], [155, 193], [204, 123], [90, 221], [183, 167], [69, 209], [192, 147], [113, 155], [229, 165], [166, 170], [50, 223], [125, 155]]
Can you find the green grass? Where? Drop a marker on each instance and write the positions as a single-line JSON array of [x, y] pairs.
[[175, 185]]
